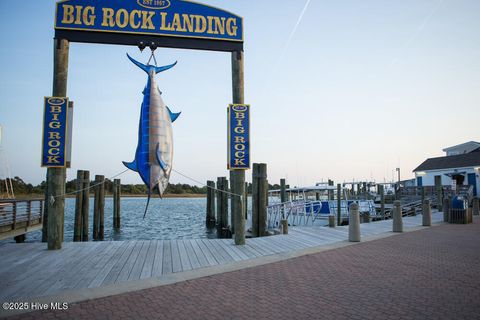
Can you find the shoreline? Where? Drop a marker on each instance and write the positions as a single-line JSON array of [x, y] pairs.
[[166, 196]]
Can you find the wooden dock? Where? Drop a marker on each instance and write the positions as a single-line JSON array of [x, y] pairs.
[[18, 217], [30, 271]]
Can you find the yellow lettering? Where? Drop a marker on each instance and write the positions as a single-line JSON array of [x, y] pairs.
[[232, 27], [122, 18], [201, 24], [55, 116], [54, 143], [89, 16], [239, 162], [54, 125], [240, 122], [240, 154], [55, 109], [210, 25], [53, 159], [108, 17], [176, 24], [239, 140], [78, 19], [164, 25], [239, 130], [239, 115], [147, 20], [68, 14], [54, 151], [53, 135], [220, 25], [134, 13], [239, 147], [188, 22]]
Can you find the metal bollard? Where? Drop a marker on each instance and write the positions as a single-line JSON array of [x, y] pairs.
[[284, 225], [397, 217], [354, 224], [331, 221], [426, 214]]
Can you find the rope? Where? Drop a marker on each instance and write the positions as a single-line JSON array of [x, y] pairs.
[[52, 198], [204, 185]]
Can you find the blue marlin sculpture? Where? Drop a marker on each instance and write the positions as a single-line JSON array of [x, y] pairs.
[[154, 155]]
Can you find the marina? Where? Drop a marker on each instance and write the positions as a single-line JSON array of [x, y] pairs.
[[29, 271]]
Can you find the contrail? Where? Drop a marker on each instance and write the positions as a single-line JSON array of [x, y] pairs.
[[292, 34], [286, 46], [415, 34]]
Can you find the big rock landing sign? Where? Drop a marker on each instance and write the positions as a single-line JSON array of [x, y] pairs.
[[174, 23]]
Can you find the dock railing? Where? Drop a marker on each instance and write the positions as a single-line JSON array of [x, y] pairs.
[[18, 217]]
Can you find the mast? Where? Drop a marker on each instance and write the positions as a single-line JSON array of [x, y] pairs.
[[6, 171]]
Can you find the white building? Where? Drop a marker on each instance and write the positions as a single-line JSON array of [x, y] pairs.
[[461, 166]]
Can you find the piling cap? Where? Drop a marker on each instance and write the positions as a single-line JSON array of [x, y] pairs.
[[354, 206], [397, 203]]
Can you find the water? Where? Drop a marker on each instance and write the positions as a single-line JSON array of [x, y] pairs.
[[172, 218]]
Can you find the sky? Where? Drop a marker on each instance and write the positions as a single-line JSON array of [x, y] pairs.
[[343, 90]]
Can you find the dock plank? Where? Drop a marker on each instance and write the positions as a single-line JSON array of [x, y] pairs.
[[167, 257], [191, 254], [158, 261], [107, 267], [176, 260], [184, 258], [129, 264], [199, 253], [118, 266], [148, 266], [212, 261], [140, 262]]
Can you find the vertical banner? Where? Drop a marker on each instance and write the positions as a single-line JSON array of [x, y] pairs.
[[55, 132], [238, 137]]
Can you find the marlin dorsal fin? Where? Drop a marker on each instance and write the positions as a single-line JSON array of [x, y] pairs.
[[173, 116]]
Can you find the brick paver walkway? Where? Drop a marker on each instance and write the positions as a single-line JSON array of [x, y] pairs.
[[427, 274]]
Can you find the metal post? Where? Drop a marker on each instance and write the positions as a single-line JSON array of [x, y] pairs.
[[339, 204], [101, 209], [397, 217], [56, 176], [116, 203], [446, 208], [354, 223], [426, 214], [382, 201], [238, 177]]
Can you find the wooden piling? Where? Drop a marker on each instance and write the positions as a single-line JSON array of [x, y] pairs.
[[233, 202], [85, 204], [439, 189], [96, 208], [245, 201], [45, 215], [283, 199], [382, 201], [259, 201], [210, 219], [101, 208], [225, 196], [339, 204], [219, 206], [238, 178], [476, 206], [116, 203], [330, 192], [284, 226], [77, 228], [57, 176]]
